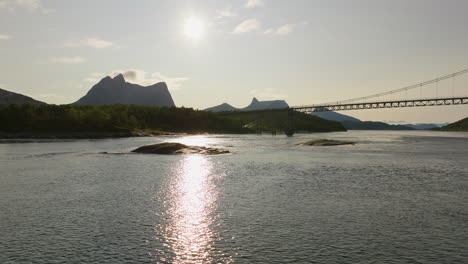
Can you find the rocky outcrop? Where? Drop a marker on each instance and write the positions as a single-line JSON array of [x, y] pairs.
[[117, 91], [169, 148], [326, 142]]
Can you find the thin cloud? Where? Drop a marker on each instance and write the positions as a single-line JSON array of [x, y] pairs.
[[5, 37], [226, 14], [31, 5], [97, 43], [94, 77], [254, 3], [281, 31], [90, 42], [174, 83], [248, 25], [68, 60], [268, 94]]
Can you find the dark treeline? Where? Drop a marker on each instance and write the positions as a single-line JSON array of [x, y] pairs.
[[277, 119], [123, 118], [112, 118], [461, 125]]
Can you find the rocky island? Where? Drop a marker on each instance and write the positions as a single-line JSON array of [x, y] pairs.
[[170, 148], [326, 142]]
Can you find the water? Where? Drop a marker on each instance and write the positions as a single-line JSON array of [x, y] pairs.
[[395, 197]]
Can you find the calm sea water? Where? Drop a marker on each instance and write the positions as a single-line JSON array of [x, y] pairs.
[[395, 197]]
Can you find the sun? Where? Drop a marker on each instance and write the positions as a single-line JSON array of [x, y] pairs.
[[193, 28]]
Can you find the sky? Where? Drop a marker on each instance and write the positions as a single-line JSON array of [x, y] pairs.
[[215, 51]]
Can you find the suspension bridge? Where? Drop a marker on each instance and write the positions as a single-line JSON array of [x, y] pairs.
[[439, 97]]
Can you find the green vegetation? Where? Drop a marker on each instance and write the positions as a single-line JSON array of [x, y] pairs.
[[117, 118], [111, 118], [269, 120], [461, 125]]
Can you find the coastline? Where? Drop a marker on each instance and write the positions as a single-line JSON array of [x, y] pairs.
[[84, 135]]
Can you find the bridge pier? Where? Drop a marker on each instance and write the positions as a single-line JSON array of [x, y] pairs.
[[290, 123]]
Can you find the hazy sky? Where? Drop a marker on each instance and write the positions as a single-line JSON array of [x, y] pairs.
[[215, 51]]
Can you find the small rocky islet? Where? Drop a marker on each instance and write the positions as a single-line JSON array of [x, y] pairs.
[[171, 148], [326, 142]]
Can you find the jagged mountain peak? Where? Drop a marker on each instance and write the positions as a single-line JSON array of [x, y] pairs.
[[119, 78], [117, 91]]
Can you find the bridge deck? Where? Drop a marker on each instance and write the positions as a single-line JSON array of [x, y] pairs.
[[383, 104]]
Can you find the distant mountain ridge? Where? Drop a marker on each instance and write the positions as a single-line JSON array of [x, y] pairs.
[[330, 115], [7, 98], [254, 105], [372, 125], [425, 126], [117, 91]]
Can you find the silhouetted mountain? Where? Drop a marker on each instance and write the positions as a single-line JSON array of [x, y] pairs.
[[370, 125], [254, 105], [117, 91], [8, 98], [222, 108], [330, 115], [262, 105], [353, 123]]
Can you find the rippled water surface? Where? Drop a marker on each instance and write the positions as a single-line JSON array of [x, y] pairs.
[[395, 197]]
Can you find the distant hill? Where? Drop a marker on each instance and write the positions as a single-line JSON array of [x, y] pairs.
[[461, 125], [330, 115], [8, 98], [353, 123], [254, 105], [222, 108], [117, 91], [369, 125]]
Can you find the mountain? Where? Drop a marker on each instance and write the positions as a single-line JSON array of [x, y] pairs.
[[352, 123], [222, 108], [254, 105], [117, 91], [330, 115], [370, 125], [461, 125], [8, 98], [257, 105]]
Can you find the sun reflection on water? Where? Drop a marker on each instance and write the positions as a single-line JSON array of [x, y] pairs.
[[190, 203]]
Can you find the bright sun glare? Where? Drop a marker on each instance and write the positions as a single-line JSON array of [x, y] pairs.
[[193, 28]]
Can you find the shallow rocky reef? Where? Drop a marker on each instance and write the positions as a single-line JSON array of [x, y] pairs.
[[326, 142], [170, 148]]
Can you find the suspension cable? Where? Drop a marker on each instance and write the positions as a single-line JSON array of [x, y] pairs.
[[405, 88]]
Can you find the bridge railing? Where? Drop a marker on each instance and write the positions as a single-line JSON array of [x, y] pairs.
[[382, 104]]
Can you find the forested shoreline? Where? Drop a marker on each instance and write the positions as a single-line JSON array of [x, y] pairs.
[[128, 119]]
